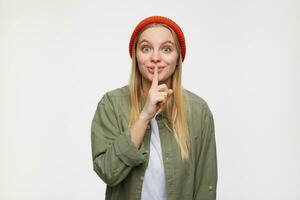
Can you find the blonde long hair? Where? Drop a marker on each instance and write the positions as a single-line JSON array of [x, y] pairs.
[[175, 108]]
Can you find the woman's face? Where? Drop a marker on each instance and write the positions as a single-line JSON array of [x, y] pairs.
[[156, 47]]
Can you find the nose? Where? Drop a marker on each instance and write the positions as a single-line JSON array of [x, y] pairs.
[[155, 57]]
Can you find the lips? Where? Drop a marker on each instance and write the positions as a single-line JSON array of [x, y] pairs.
[[151, 69]]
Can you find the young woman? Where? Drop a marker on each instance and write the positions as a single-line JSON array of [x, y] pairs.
[[152, 139]]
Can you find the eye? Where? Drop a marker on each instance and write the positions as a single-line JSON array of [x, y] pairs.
[[167, 49], [145, 49]]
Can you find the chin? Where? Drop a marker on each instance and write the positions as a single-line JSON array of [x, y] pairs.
[[150, 77]]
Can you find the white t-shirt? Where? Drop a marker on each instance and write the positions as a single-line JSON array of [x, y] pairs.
[[154, 185]]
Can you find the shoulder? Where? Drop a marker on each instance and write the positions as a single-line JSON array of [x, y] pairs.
[[193, 97], [116, 97], [197, 103]]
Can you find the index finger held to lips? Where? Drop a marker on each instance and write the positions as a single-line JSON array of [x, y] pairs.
[[155, 77]]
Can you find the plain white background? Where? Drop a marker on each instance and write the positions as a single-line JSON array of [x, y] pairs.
[[58, 57]]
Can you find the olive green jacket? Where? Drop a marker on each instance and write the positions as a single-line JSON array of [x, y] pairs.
[[122, 166]]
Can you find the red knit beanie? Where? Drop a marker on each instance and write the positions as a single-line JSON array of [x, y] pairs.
[[159, 19]]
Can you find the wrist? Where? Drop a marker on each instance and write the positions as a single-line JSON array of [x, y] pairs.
[[144, 118]]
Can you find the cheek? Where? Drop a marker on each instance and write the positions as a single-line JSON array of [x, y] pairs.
[[172, 60], [140, 63], [138, 58], [141, 58]]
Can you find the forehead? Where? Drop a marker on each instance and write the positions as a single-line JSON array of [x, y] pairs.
[[158, 34]]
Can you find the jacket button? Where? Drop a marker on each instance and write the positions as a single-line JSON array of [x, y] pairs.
[[142, 178], [210, 187]]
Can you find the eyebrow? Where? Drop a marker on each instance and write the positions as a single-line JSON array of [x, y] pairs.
[[168, 41]]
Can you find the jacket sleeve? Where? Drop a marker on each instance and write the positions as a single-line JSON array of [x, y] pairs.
[[205, 186], [113, 152]]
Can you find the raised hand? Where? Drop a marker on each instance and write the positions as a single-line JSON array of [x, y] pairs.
[[156, 98]]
